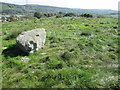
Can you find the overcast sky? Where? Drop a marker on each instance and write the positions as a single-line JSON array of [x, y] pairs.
[[84, 4]]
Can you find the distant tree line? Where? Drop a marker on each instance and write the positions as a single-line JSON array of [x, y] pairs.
[[61, 14], [86, 15], [57, 15], [40, 15]]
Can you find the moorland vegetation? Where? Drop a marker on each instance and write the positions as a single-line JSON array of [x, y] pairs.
[[79, 52]]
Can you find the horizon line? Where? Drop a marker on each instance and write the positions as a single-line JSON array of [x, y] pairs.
[[58, 6]]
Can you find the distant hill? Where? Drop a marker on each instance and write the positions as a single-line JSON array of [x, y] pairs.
[[30, 9]]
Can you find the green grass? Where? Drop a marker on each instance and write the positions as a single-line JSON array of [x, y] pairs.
[[79, 53]]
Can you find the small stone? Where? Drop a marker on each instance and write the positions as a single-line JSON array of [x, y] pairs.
[[24, 59], [43, 53], [4, 48]]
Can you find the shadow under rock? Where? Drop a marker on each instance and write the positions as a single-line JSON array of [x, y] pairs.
[[14, 51]]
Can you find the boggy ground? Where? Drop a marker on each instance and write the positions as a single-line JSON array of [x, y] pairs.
[[79, 53]]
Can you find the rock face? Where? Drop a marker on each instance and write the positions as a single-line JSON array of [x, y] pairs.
[[31, 41]]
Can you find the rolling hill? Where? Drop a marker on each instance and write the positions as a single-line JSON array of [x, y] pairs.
[[8, 8]]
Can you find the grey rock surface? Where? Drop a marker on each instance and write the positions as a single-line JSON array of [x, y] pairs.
[[32, 40]]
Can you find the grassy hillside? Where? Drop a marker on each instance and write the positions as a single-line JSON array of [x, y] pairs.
[[30, 9], [79, 53]]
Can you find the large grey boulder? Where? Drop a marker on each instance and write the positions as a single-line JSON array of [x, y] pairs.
[[31, 41]]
